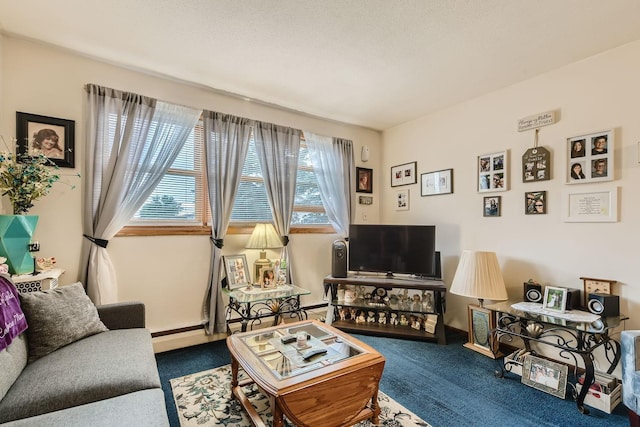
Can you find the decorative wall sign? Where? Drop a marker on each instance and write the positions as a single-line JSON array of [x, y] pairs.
[[365, 200], [404, 174], [493, 172], [402, 200], [535, 202], [536, 165], [590, 158], [439, 182], [537, 121]]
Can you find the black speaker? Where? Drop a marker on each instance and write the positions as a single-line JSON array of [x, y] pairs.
[[604, 304], [339, 259], [532, 292], [574, 300]]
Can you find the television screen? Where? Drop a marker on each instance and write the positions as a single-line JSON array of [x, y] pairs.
[[400, 249]]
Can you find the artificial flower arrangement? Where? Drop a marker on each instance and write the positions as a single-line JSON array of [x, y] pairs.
[[25, 178]]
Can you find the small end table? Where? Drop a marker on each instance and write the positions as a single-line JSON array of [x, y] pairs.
[[44, 280]]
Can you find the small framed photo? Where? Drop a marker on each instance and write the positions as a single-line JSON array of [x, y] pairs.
[[268, 278], [535, 202], [545, 375], [438, 182], [237, 270], [54, 138], [365, 180], [365, 200], [402, 200], [493, 172], [491, 205], [554, 299], [590, 158], [481, 322], [404, 174]]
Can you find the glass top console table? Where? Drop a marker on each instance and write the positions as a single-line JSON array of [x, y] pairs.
[[253, 304], [575, 334]]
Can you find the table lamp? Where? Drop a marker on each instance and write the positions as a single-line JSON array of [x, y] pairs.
[[264, 237], [478, 276]]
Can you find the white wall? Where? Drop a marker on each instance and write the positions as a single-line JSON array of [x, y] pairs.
[[599, 93], [169, 274]]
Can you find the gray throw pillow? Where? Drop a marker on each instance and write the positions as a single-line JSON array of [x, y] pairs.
[[58, 317]]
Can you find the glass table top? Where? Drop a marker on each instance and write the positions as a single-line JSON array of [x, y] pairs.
[[573, 319], [256, 294], [286, 358]]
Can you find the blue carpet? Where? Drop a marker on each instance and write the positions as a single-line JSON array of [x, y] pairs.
[[444, 385]]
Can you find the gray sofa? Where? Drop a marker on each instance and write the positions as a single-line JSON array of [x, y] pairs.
[[106, 379]]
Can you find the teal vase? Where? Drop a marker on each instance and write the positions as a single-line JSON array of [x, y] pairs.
[[15, 235]]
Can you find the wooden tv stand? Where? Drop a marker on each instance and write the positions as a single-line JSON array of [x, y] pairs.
[[400, 307]]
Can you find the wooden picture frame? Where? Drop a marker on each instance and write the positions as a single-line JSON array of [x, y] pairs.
[[535, 202], [52, 137], [594, 204], [492, 206], [237, 269], [437, 182], [590, 158], [493, 172], [595, 286], [365, 180], [402, 200], [404, 174], [481, 322], [545, 375], [555, 299]]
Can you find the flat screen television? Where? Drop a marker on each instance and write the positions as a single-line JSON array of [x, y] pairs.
[[394, 249]]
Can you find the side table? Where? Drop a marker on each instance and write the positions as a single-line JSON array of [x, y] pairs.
[[42, 281]]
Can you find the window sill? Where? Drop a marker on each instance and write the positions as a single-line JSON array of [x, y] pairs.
[[205, 230]]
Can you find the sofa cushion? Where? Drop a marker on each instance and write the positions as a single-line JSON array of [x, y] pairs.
[[140, 409], [13, 359], [98, 367], [58, 317]]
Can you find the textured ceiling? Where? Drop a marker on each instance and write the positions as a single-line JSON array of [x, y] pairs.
[[374, 63]]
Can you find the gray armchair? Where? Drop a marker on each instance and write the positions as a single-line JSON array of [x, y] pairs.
[[630, 344]]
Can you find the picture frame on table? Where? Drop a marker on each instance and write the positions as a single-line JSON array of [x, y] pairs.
[[481, 322], [491, 206], [404, 174], [545, 375], [365, 180], [590, 158], [52, 137], [437, 182], [493, 172], [555, 299], [268, 279], [237, 269]]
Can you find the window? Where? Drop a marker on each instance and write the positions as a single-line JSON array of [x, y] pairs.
[[180, 200]]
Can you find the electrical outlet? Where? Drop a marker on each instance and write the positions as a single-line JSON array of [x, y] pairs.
[[365, 216]]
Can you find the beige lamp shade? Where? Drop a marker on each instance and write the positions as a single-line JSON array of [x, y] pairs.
[[264, 236], [479, 276]]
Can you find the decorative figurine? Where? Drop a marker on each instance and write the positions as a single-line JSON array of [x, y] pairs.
[[353, 314], [394, 319], [372, 317], [382, 318], [343, 313], [403, 320], [360, 318], [415, 322]]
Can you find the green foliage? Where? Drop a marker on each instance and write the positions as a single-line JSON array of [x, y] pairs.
[[160, 207]]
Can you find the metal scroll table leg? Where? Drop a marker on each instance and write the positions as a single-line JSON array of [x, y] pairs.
[[589, 378]]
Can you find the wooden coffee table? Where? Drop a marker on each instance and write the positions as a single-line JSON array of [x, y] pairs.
[[337, 388]]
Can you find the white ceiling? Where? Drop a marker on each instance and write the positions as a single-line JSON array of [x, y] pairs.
[[374, 63]]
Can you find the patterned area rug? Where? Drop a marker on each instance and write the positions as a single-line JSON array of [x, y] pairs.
[[204, 399]]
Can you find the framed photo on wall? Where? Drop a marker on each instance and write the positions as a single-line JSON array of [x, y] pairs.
[[404, 174], [402, 200], [52, 137], [590, 158], [535, 202], [438, 182], [491, 206], [365, 180], [545, 375], [493, 172]]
